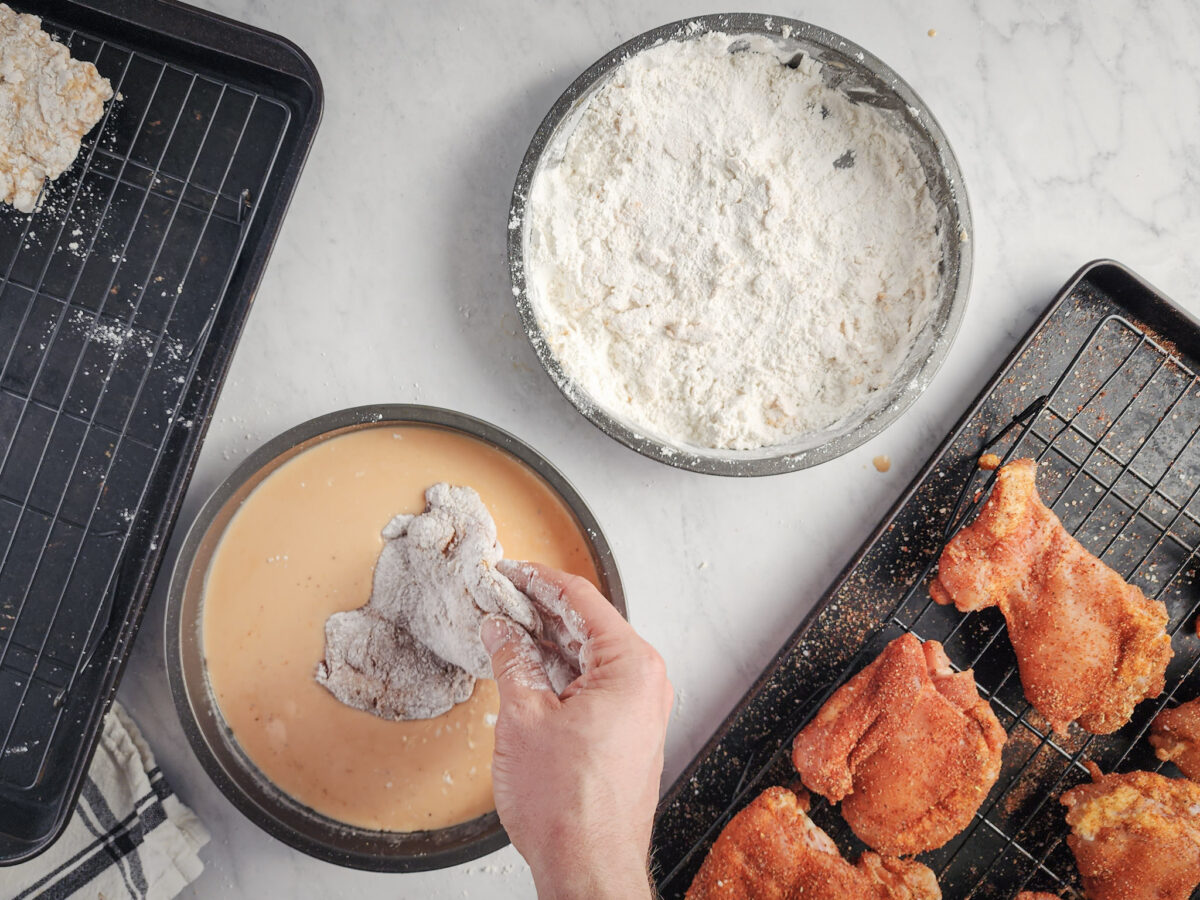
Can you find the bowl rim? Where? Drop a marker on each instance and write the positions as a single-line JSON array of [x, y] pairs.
[[266, 805], [760, 461]]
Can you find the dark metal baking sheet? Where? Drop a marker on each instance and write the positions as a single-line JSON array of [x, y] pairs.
[[121, 301], [1104, 390]]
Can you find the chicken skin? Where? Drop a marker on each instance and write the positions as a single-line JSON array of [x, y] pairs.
[[1089, 646], [1135, 836], [771, 850], [1175, 736], [907, 746]]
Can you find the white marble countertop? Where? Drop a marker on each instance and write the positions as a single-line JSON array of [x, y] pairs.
[[1078, 132]]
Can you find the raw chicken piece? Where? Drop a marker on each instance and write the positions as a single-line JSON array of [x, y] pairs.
[[1135, 836], [414, 650], [436, 575], [1175, 735], [375, 665], [907, 746], [1089, 646], [771, 850]]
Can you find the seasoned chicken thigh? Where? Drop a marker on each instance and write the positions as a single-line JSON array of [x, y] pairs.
[[907, 746], [1135, 836], [771, 850], [1175, 735], [1089, 646]]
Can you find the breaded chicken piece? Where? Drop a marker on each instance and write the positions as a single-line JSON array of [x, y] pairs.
[[907, 746], [1089, 646], [771, 850], [48, 102], [1175, 736], [1037, 895], [1135, 836]]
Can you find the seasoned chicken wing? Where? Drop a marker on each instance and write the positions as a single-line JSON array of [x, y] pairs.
[[907, 746], [1135, 836], [1089, 646], [771, 850], [1175, 735]]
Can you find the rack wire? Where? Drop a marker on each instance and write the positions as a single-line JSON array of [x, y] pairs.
[[1116, 440], [108, 295]]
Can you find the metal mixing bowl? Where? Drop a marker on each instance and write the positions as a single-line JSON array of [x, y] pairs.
[[864, 79], [211, 739]]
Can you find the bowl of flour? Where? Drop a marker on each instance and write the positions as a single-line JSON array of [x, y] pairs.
[[739, 244]]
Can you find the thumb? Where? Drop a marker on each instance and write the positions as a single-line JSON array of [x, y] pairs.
[[516, 660]]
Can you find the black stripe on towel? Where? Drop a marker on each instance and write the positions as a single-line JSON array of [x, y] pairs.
[[130, 865], [95, 857]]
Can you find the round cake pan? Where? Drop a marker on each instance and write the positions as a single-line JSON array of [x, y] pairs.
[[864, 79], [211, 739]]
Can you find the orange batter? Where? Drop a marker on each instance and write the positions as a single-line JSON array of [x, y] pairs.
[[303, 546]]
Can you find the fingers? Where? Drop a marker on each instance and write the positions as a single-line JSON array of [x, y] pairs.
[[516, 661], [562, 667], [584, 611], [605, 637]]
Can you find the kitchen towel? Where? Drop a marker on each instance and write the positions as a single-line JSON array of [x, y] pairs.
[[129, 836]]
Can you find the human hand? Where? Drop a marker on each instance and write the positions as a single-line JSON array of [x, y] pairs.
[[576, 776]]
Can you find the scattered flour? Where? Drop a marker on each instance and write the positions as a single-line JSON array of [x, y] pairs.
[[724, 252]]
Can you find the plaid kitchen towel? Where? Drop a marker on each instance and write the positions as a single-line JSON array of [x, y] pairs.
[[129, 836]]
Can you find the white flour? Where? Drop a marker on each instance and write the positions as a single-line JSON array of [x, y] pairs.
[[730, 254]]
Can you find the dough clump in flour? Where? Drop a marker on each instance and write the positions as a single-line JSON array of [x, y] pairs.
[[413, 651], [725, 252], [48, 102]]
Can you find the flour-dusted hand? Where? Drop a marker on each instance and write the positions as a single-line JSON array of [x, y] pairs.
[[576, 776]]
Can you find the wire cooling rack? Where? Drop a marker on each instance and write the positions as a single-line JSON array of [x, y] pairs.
[[103, 308], [1116, 438], [109, 363]]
